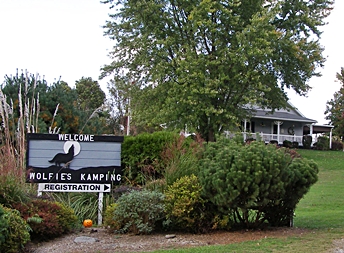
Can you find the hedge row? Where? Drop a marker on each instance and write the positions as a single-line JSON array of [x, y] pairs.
[[237, 186]]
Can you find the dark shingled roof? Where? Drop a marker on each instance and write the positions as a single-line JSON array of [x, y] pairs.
[[277, 115]]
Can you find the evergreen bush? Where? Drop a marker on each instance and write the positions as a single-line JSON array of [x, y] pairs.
[[254, 183], [337, 145], [14, 231], [287, 144], [323, 143], [141, 156], [301, 175], [138, 212], [307, 141]]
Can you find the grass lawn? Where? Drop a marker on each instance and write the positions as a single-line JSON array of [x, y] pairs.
[[323, 206], [320, 212]]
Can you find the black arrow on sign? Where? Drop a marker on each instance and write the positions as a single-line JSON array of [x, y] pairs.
[[106, 187]]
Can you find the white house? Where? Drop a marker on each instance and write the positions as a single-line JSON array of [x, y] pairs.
[[284, 124]]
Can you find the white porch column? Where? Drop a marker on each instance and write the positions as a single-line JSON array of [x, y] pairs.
[[245, 123], [331, 139], [311, 129], [311, 133], [278, 123], [128, 122]]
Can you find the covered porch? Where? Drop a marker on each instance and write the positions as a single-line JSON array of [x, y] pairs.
[[283, 124], [312, 130]]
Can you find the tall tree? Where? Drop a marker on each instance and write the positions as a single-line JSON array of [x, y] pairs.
[[90, 94], [200, 63], [94, 114], [119, 100], [59, 108], [335, 108]]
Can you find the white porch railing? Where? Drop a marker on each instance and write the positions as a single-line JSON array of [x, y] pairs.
[[274, 137]]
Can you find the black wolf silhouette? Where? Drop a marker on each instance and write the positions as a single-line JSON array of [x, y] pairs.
[[63, 158]]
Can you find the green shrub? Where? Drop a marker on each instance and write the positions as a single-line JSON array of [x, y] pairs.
[[302, 174], [307, 141], [254, 181], [274, 142], [57, 219], [287, 144], [141, 155], [14, 231], [138, 212], [12, 190], [108, 218], [184, 206], [337, 145], [3, 226], [66, 217], [323, 143], [295, 144]]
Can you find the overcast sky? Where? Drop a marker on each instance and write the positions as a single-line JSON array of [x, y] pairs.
[[65, 38], [54, 38]]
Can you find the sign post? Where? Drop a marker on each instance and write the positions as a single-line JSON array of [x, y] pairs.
[[100, 208]]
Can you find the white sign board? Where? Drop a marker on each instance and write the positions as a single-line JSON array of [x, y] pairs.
[[62, 187], [73, 159]]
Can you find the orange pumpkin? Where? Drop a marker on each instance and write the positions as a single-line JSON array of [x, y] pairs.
[[87, 223]]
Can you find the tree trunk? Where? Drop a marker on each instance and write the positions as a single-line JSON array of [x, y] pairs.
[[211, 136]]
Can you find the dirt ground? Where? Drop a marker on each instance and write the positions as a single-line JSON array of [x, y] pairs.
[[106, 242]]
